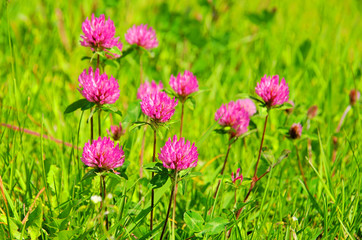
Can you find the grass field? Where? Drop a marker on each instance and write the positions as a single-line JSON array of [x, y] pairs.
[[229, 45]]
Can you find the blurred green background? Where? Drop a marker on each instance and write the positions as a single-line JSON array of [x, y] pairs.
[[229, 45]]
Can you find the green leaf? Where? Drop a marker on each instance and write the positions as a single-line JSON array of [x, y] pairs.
[[66, 234], [190, 175], [115, 50], [34, 223], [261, 18], [65, 213], [83, 104], [215, 226], [223, 130], [256, 99], [91, 174], [53, 178], [127, 51], [194, 221], [112, 109], [159, 180], [156, 167], [118, 177]]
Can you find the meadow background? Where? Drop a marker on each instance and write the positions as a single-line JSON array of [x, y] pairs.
[[229, 45]]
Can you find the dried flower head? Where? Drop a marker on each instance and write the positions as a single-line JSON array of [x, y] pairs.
[[99, 34], [312, 111], [234, 116], [248, 105], [176, 154], [142, 36], [237, 176], [102, 154], [290, 110], [354, 96], [148, 88], [271, 91], [98, 88], [116, 132], [184, 84], [158, 106], [295, 131]]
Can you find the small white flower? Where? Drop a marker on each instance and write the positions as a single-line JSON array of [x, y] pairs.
[[106, 212], [109, 196], [294, 219], [96, 199]]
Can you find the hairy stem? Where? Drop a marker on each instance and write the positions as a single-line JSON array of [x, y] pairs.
[[301, 168], [223, 169], [342, 118], [153, 174], [261, 147], [174, 206], [255, 178], [142, 157], [103, 178], [335, 139], [168, 211], [91, 128], [99, 123]]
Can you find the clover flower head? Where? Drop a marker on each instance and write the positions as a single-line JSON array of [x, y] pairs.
[[142, 36], [102, 154], [248, 105], [116, 132], [97, 87], [158, 106], [184, 84], [237, 176], [178, 155], [99, 34], [147, 88], [271, 91], [295, 131], [234, 116]]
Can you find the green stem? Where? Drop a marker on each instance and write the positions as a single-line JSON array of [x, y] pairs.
[[141, 67], [141, 158], [182, 118]]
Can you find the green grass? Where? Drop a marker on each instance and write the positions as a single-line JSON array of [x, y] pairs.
[[229, 45]]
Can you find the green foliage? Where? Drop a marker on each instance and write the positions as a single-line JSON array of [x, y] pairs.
[[229, 46]]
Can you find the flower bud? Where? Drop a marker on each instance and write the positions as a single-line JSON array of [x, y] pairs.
[[354, 96], [295, 131], [312, 112]]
